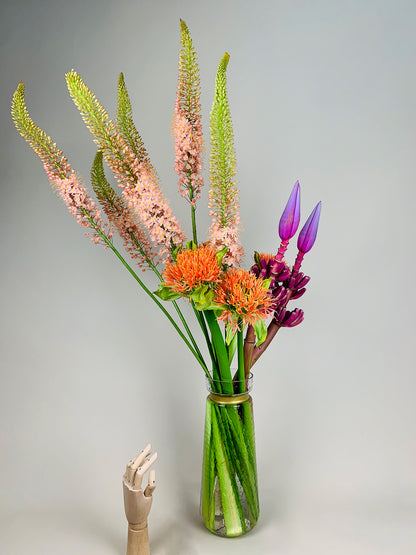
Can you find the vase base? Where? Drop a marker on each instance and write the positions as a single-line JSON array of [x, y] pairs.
[[221, 532]]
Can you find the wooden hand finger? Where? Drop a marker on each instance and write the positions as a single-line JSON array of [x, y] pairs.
[[135, 463], [151, 486], [138, 477]]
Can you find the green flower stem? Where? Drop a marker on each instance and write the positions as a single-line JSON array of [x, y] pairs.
[[242, 450], [175, 304], [201, 320], [248, 430], [249, 343], [230, 500], [240, 351], [139, 281], [221, 352], [188, 331], [229, 458], [208, 469], [193, 219]]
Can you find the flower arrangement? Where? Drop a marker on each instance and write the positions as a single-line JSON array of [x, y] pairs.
[[250, 305]]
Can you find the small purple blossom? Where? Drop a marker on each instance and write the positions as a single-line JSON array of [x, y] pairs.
[[280, 296], [288, 318], [297, 283], [261, 268], [272, 268], [289, 222], [279, 270], [308, 233]]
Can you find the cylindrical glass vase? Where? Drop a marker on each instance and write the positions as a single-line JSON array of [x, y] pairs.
[[229, 493]]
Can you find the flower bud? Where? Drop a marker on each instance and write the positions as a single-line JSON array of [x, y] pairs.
[[308, 233], [280, 296], [288, 318], [289, 221], [279, 271]]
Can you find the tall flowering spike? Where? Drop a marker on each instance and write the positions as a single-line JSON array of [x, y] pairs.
[[223, 194], [289, 222], [136, 177], [135, 240], [62, 177], [187, 128], [308, 233], [125, 121]]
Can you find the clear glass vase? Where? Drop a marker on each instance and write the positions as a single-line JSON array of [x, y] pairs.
[[229, 493]]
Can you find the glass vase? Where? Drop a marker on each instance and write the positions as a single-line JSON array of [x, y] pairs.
[[229, 493]]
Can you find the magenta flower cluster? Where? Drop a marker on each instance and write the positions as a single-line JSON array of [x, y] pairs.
[[289, 283]]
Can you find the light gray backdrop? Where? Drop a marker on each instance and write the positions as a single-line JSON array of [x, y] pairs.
[[323, 92]]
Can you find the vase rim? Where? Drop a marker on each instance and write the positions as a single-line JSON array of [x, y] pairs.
[[248, 385]]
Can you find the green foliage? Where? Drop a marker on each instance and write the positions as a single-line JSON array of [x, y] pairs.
[[41, 143], [203, 298], [220, 254], [260, 330], [232, 347], [125, 121], [223, 193], [230, 335], [167, 293], [191, 245]]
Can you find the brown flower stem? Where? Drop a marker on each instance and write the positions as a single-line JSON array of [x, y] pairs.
[[272, 329], [249, 343], [241, 362], [259, 350]]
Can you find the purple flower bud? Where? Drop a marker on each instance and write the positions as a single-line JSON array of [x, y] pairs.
[[289, 221], [288, 318], [297, 281], [261, 268], [298, 293], [280, 296], [280, 271], [301, 280], [308, 233]]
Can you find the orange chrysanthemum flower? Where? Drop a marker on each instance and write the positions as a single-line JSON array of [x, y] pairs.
[[192, 269], [244, 297]]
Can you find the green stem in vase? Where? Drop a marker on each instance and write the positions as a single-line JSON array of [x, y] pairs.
[[244, 454], [240, 351], [221, 352], [208, 468], [230, 500]]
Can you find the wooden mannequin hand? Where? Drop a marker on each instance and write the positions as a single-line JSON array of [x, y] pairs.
[[137, 503]]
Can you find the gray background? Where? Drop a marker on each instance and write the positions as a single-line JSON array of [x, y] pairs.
[[323, 92]]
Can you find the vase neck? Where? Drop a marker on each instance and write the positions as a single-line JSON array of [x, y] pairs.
[[236, 399]]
